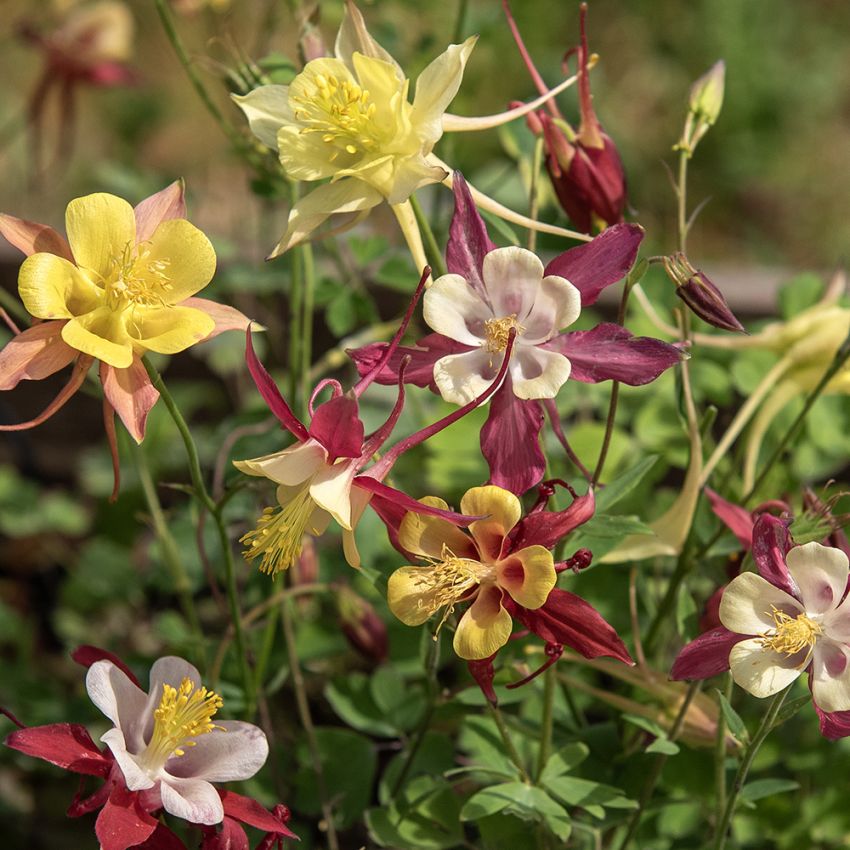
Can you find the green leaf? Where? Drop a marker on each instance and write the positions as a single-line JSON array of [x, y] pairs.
[[664, 746], [351, 698], [563, 761], [800, 292], [733, 719], [491, 800], [521, 799], [588, 795], [397, 273], [621, 486], [790, 709], [761, 788], [480, 739], [401, 705]]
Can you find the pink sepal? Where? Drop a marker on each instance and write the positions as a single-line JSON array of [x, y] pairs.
[[600, 262], [469, 241], [33, 238], [122, 822], [34, 354], [737, 519], [409, 504], [226, 318], [67, 745], [167, 204], [546, 528], [161, 839], [706, 656], [249, 811], [391, 514], [86, 655], [337, 426], [771, 543], [131, 394]]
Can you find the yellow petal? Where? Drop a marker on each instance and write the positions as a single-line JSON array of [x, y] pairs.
[[304, 156], [267, 110], [410, 598], [353, 36], [168, 330], [185, 255], [99, 227], [425, 535], [484, 627], [528, 575], [502, 509], [379, 78], [53, 288], [101, 334]]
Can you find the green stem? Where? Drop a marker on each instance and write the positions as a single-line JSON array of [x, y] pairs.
[[657, 767], [720, 753], [533, 200], [549, 682], [744, 768], [266, 648], [682, 195], [435, 256], [308, 268], [511, 750]]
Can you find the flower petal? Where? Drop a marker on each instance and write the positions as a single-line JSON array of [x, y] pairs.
[[469, 241], [53, 288], [484, 627], [226, 318], [410, 597], [100, 227], [706, 656], [123, 702], [103, 335], [331, 490], [513, 277], [168, 330], [235, 753], [771, 544], [502, 510], [193, 800], [460, 378], [451, 308], [538, 373], [746, 605], [131, 394], [821, 575], [168, 670], [759, 671], [67, 745], [830, 676], [360, 498], [558, 305], [337, 426], [528, 575], [426, 536], [290, 466], [354, 37], [33, 238], [135, 778], [34, 354], [167, 204], [122, 822], [186, 255], [267, 110]]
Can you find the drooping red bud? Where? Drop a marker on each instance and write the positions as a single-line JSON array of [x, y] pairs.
[[700, 294]]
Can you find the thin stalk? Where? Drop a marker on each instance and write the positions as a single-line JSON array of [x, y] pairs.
[[511, 750], [533, 200], [657, 768], [682, 196], [744, 768], [549, 680], [308, 280], [720, 753], [435, 256], [296, 319], [306, 718]]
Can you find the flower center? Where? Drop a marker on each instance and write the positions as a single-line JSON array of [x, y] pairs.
[[183, 714], [497, 332], [341, 112], [277, 538], [448, 581], [134, 279], [790, 634]]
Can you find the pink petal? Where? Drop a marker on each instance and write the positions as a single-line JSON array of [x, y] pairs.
[[546, 528], [167, 204], [34, 354], [468, 241], [337, 426], [510, 441], [771, 542], [737, 519], [236, 753], [86, 655], [601, 262], [131, 394], [226, 318], [119, 698], [33, 238], [67, 745], [194, 800], [122, 823], [706, 656], [248, 810], [610, 352]]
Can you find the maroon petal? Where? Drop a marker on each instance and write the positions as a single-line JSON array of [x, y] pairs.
[[510, 441], [248, 810], [86, 655], [568, 620], [409, 504], [336, 425], [231, 836], [546, 528], [162, 839], [271, 394], [610, 352], [67, 745], [469, 241], [378, 437], [483, 673], [737, 519], [771, 542], [601, 262], [122, 823], [81, 805], [391, 513], [706, 656]]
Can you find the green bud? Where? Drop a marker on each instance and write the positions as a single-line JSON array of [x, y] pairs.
[[707, 94]]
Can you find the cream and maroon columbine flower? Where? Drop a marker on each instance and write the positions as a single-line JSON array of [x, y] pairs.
[[791, 617], [480, 569]]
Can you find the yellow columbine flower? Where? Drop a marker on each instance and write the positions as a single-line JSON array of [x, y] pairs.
[[479, 569]]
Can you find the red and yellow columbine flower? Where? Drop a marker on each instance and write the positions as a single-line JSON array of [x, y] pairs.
[[480, 569]]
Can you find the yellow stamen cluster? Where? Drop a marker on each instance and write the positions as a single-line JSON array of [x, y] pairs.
[[447, 582], [341, 111], [277, 539], [183, 714], [498, 331], [791, 634], [134, 279]]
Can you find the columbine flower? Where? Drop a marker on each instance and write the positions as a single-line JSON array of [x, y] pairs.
[[348, 117], [490, 291], [163, 752], [323, 476], [122, 284], [791, 618]]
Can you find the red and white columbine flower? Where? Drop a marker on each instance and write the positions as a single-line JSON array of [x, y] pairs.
[[324, 476], [791, 617], [491, 291]]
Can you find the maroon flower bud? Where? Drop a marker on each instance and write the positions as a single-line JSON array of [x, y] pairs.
[[361, 625], [483, 673], [700, 294]]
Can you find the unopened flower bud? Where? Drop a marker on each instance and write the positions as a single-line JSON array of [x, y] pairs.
[[483, 673], [361, 625], [707, 93], [311, 44], [700, 294]]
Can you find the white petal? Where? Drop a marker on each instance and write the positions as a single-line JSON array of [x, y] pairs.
[[451, 308], [136, 778], [359, 500], [557, 306], [236, 753], [831, 675], [821, 574], [462, 377], [169, 670], [193, 800], [762, 672], [290, 466], [538, 373], [111, 690], [331, 490], [836, 623], [267, 110], [512, 276], [746, 605]]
